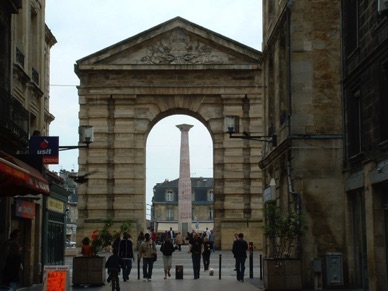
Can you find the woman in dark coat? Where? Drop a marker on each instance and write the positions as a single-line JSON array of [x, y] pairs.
[[167, 248], [206, 253]]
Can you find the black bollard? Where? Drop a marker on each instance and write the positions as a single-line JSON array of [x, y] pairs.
[[250, 259], [138, 268], [261, 267], [219, 267]]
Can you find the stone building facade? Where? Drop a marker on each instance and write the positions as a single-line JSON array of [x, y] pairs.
[[25, 43], [326, 96], [165, 202], [365, 97], [302, 105], [176, 67]]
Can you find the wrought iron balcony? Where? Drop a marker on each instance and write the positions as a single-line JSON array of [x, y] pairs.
[[19, 58], [13, 117], [35, 76]]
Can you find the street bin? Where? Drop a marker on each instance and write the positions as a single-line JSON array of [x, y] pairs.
[[179, 272]]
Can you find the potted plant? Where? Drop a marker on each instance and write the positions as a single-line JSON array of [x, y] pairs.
[[282, 267], [90, 270]]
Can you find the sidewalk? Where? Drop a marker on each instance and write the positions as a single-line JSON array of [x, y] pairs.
[[228, 279]]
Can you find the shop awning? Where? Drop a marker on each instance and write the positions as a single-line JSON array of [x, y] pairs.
[[19, 178]]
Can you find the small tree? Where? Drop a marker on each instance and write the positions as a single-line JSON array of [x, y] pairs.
[[283, 232], [106, 235]]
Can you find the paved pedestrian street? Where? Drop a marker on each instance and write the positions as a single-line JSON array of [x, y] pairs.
[[225, 281]]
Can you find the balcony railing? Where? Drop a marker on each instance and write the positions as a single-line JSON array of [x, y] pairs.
[[13, 116], [19, 58], [35, 76]]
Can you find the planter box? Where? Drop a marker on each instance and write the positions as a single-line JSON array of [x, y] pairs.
[[282, 274], [89, 271]]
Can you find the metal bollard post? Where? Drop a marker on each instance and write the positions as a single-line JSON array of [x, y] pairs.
[[250, 259], [219, 267], [261, 267], [138, 268]]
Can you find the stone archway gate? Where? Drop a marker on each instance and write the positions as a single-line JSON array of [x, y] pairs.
[[176, 67]]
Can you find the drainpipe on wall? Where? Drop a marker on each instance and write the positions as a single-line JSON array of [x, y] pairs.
[[289, 66], [297, 205]]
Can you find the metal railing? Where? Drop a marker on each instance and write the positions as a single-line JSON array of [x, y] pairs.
[[13, 116], [19, 58], [35, 76]]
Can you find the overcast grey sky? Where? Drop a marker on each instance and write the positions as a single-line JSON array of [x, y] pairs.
[[83, 27]]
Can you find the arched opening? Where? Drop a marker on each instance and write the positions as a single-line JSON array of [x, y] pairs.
[[162, 174]]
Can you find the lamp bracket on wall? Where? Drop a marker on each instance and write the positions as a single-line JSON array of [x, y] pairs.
[[248, 136], [86, 137]]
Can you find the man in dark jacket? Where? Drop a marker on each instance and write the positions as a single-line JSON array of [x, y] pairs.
[[126, 253], [240, 247], [196, 249], [114, 264]]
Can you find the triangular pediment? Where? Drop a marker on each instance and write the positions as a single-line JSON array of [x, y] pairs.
[[175, 42]]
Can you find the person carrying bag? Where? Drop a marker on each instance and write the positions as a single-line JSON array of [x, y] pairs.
[[147, 252], [167, 248]]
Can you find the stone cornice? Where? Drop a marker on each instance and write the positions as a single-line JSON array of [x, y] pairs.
[[182, 67]]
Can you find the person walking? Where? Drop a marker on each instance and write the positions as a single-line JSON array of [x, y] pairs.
[[171, 233], [196, 248], [167, 248], [179, 240], [116, 243], [207, 231], [147, 252], [114, 264], [212, 239], [206, 253], [11, 261], [140, 239], [239, 249], [126, 253]]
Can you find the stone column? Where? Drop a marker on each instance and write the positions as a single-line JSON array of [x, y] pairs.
[[184, 185]]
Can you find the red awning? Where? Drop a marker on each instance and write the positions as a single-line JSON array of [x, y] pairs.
[[19, 178]]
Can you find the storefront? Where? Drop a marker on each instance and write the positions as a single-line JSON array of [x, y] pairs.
[[22, 189], [53, 244]]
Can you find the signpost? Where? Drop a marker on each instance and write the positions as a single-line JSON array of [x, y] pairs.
[[45, 146]]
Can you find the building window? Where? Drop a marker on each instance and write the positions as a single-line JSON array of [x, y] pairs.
[[210, 213], [169, 214], [354, 123], [169, 195], [360, 253], [193, 196], [351, 25], [210, 196], [384, 102]]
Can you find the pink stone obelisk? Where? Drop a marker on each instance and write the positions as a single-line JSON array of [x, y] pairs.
[[184, 185]]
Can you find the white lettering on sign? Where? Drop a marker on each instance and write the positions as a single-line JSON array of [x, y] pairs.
[[44, 152]]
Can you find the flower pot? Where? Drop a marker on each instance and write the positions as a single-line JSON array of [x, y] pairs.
[[282, 274], [89, 271]]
